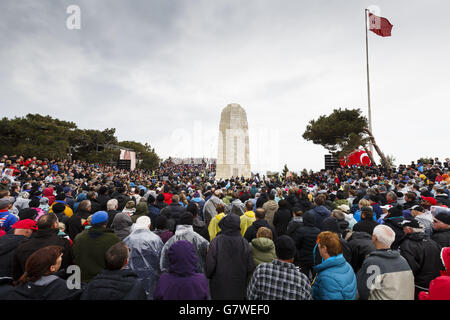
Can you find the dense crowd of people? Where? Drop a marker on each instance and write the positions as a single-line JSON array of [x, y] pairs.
[[176, 233]]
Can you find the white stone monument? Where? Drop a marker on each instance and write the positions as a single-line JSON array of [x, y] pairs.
[[233, 158]]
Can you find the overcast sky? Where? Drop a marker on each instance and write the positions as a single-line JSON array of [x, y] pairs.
[[161, 71]]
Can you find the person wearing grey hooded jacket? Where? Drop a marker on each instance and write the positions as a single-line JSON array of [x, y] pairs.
[[145, 253], [185, 231], [122, 224], [209, 209], [22, 201]]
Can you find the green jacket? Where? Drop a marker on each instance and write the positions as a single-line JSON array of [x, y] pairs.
[[227, 200], [339, 202], [89, 249], [263, 250], [141, 210]]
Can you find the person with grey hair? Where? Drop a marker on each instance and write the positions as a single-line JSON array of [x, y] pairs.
[[112, 206], [385, 274], [391, 198]]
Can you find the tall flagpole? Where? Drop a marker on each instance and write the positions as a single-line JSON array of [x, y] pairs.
[[368, 82]]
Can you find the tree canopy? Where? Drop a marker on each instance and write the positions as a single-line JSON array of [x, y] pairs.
[[51, 138], [342, 132]]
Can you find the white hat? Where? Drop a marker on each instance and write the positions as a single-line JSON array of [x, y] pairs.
[[142, 223]]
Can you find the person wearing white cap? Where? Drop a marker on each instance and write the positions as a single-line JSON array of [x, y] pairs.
[[145, 252]]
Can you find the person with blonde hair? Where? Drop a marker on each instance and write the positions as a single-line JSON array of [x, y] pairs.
[[362, 203]]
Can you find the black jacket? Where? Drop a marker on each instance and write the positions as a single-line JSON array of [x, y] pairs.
[[115, 285], [395, 224], [293, 225], [293, 201], [102, 200], [47, 288], [361, 245], [160, 205], [250, 234], [121, 199], [263, 198], [74, 224], [423, 256], [111, 215], [201, 228], [305, 238], [8, 243], [40, 239], [442, 237], [281, 220], [365, 225], [229, 261], [173, 213], [443, 198]]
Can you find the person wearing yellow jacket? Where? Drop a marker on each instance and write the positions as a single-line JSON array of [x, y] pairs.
[[61, 198], [213, 227], [248, 217]]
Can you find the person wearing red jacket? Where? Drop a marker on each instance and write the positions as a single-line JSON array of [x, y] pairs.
[[440, 287]]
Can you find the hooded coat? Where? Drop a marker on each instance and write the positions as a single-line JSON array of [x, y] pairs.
[[440, 287], [423, 256], [321, 213], [141, 210], [281, 220], [213, 227], [442, 237], [361, 246], [305, 238], [229, 261], [22, 201], [8, 243], [120, 284], [144, 257], [247, 220], [186, 232], [270, 207], [46, 288], [209, 209], [48, 193], [122, 225], [237, 207], [182, 281], [263, 250], [173, 213]]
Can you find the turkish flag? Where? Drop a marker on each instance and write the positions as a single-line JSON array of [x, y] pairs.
[[379, 25], [356, 158]]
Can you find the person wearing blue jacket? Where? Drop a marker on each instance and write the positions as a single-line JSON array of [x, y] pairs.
[[335, 278]]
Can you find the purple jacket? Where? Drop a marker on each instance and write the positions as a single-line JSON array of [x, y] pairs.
[[182, 282]]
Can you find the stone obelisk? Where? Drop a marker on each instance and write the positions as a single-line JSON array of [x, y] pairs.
[[233, 158]]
